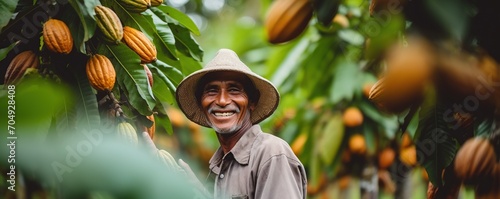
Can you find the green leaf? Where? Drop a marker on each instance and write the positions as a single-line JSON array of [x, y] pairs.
[[345, 82], [176, 15], [435, 147], [7, 8], [86, 25], [388, 122], [451, 15], [162, 89], [132, 77], [5, 51], [86, 103], [164, 121], [174, 75], [164, 37], [331, 139], [484, 128], [351, 36], [185, 42], [290, 63]]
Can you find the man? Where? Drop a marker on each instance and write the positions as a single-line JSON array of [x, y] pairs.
[[228, 97]]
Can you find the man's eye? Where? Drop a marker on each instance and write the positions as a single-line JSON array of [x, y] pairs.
[[211, 91], [234, 89]]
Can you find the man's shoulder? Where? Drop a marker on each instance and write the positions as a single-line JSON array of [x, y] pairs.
[[271, 145]]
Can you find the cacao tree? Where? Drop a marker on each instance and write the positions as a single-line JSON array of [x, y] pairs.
[[93, 68]]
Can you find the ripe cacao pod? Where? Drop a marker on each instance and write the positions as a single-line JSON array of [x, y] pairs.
[[287, 19], [127, 132], [475, 160], [139, 43], [409, 71], [149, 74], [109, 24], [101, 73], [167, 159], [19, 64], [352, 117], [136, 6], [156, 2], [57, 37]]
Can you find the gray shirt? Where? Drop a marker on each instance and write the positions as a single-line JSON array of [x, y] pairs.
[[260, 165]]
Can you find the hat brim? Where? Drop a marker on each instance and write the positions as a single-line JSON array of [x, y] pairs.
[[186, 99]]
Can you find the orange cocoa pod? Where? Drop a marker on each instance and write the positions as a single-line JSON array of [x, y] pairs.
[[287, 19], [101, 73], [475, 160], [140, 44], [352, 117], [57, 37]]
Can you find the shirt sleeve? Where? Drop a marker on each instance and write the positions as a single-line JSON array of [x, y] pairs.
[[281, 177]]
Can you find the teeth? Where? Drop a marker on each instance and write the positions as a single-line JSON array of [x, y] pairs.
[[225, 114]]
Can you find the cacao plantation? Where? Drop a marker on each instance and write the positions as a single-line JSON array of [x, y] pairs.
[[378, 99]]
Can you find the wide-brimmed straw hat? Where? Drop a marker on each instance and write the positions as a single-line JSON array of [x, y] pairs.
[[226, 60]]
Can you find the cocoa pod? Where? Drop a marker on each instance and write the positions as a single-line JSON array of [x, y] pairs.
[[127, 133], [409, 71], [19, 64], [140, 44], [149, 74], [357, 144], [475, 161], [136, 6], [155, 3], [57, 37], [109, 24], [386, 158], [287, 19], [167, 159], [101, 73]]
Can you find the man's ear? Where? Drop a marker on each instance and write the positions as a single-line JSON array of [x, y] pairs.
[[251, 106]]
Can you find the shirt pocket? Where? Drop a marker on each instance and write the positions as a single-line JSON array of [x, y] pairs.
[[239, 197]]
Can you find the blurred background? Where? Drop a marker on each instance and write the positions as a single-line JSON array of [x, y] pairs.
[[378, 97]]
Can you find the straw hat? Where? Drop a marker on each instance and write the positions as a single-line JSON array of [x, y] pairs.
[[226, 60]]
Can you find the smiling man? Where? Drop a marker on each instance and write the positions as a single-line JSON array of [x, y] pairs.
[[231, 99]]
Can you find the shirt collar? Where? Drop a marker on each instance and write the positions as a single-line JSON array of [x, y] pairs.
[[240, 151]]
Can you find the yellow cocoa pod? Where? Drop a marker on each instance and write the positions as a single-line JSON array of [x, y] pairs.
[[140, 44], [57, 37], [136, 6], [386, 158], [19, 64], [156, 2], [127, 133], [409, 71], [287, 19], [101, 73], [109, 24], [475, 160], [167, 159]]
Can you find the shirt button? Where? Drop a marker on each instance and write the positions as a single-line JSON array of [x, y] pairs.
[[221, 175]]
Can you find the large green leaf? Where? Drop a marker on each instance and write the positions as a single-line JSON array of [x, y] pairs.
[[86, 26], [185, 42], [331, 139], [132, 77], [164, 90], [174, 75], [86, 103], [7, 8], [177, 16], [435, 147], [290, 63]]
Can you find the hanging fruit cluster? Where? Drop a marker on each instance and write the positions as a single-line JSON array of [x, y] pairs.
[[109, 53]]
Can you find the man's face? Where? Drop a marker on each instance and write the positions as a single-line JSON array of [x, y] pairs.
[[225, 102]]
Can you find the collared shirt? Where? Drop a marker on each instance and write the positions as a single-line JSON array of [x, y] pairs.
[[260, 165]]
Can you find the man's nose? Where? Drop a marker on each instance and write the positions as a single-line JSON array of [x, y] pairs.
[[223, 99]]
